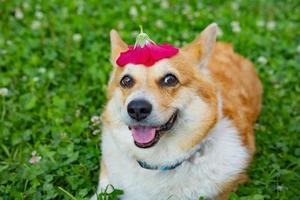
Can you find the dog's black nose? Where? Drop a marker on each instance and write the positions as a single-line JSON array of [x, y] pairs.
[[139, 109]]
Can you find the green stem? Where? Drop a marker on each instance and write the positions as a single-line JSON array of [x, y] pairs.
[[67, 193], [141, 28], [3, 109], [142, 39]]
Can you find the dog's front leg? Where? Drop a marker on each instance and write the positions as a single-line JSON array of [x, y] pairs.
[[103, 184]]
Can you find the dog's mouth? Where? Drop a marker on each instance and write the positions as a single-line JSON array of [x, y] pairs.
[[148, 136]]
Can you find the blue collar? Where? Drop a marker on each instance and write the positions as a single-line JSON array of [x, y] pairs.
[[156, 167], [145, 165]]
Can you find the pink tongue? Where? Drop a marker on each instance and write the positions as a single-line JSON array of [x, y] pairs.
[[142, 134]]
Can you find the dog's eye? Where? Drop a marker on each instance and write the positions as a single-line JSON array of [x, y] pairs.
[[169, 80], [127, 81]]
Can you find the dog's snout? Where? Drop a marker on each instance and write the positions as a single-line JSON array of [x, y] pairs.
[[139, 109]]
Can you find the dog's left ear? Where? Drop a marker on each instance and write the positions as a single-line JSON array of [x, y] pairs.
[[201, 48], [117, 46]]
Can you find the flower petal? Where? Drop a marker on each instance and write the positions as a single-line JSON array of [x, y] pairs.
[[165, 50], [133, 55], [147, 55]]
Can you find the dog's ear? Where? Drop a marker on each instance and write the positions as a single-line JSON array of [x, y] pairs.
[[117, 46], [200, 49]]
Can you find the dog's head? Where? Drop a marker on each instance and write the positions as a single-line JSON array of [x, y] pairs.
[[159, 114]]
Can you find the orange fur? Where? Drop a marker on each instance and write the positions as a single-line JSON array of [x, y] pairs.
[[240, 88], [241, 91], [231, 187], [103, 167], [205, 89]]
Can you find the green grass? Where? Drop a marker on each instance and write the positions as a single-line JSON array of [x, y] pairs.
[[54, 61]]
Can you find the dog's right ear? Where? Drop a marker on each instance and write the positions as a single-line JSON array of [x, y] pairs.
[[201, 48], [117, 46]]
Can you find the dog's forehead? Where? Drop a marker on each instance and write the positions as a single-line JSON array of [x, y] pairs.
[[134, 70], [162, 67], [158, 69]]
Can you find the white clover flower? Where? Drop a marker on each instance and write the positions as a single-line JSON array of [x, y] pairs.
[[77, 37], [36, 25], [63, 134], [235, 6], [185, 35], [24, 78], [3, 92], [262, 60], [77, 113], [39, 15], [26, 5], [95, 119], [9, 42], [271, 25], [186, 9], [42, 70], [220, 33], [280, 187], [190, 17], [197, 14], [135, 33], [95, 132], [235, 26], [159, 23], [35, 79], [3, 51], [164, 4], [177, 43], [143, 7], [200, 5], [34, 158], [121, 25], [298, 49], [260, 23], [19, 14], [80, 8], [133, 11], [51, 75]]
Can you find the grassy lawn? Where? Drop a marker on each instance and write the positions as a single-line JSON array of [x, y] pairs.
[[54, 66]]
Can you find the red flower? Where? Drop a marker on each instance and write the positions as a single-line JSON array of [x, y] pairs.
[[145, 52]]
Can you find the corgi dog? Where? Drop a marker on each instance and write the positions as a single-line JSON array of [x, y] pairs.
[[183, 128]]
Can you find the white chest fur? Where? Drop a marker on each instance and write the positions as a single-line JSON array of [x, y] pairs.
[[223, 158]]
